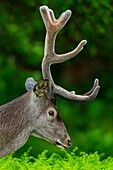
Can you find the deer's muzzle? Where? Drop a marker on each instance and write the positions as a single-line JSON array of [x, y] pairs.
[[64, 145]]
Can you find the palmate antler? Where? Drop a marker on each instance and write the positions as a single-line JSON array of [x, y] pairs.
[[53, 26]]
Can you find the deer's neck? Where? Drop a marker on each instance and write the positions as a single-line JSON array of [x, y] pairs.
[[14, 119]]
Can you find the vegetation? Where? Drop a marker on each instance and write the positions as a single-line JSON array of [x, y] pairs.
[[22, 32], [57, 162]]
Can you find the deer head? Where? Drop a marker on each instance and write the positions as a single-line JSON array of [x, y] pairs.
[[35, 112]]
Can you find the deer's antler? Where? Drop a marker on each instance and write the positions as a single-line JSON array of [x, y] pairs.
[[53, 26]]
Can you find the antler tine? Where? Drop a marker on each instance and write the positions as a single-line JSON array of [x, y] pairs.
[[96, 83], [54, 20], [63, 19], [80, 98], [46, 16], [64, 57]]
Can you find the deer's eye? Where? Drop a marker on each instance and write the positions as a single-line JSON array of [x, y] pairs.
[[51, 112]]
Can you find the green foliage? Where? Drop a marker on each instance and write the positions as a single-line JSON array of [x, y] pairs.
[[21, 51], [56, 162]]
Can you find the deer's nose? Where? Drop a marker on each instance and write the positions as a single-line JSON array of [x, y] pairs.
[[65, 144], [69, 143]]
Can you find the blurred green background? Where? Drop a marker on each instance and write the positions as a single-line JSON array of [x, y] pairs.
[[22, 34]]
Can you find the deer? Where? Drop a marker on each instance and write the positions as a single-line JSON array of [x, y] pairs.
[[35, 112]]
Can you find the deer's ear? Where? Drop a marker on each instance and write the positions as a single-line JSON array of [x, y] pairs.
[[30, 83], [41, 87]]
